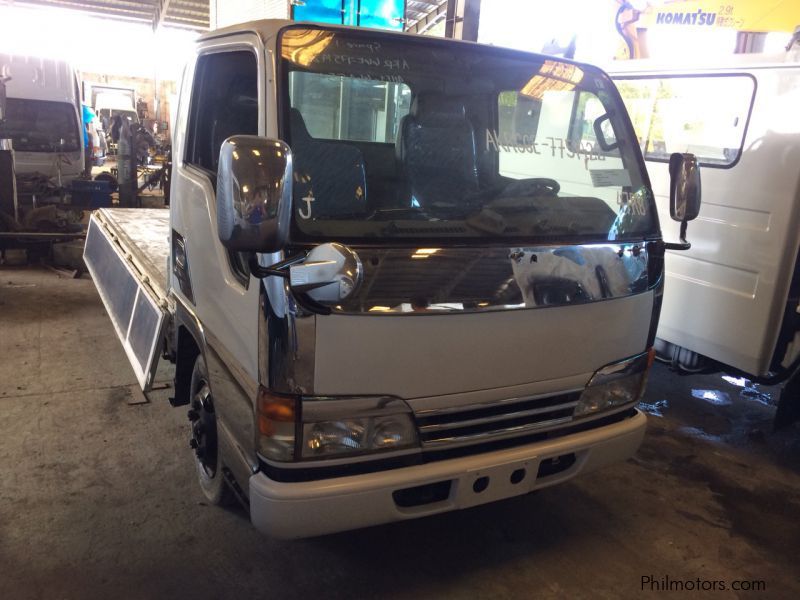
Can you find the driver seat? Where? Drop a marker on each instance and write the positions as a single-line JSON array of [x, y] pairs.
[[436, 150]]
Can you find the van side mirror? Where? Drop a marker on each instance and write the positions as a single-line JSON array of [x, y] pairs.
[[684, 194], [254, 194]]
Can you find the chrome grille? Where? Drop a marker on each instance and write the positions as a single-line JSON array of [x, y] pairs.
[[478, 423]]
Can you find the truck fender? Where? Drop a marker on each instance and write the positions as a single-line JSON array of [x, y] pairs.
[[189, 343]]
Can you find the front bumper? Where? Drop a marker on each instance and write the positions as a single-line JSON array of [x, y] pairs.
[[306, 509]]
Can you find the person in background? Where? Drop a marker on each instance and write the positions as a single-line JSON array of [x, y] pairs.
[[88, 115]]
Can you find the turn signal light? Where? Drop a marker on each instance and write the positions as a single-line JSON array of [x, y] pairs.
[[277, 414]]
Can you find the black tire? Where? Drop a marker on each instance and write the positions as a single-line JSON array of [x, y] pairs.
[[207, 457], [112, 181]]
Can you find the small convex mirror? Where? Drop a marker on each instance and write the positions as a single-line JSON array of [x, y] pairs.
[[604, 133], [684, 188], [254, 194], [330, 274]]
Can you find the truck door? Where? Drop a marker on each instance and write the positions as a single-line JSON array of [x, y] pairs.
[[227, 96]]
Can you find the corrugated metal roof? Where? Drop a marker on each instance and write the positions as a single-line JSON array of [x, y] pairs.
[[422, 13], [187, 14]]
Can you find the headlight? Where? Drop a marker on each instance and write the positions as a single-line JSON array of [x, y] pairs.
[[365, 434], [615, 385], [331, 426]]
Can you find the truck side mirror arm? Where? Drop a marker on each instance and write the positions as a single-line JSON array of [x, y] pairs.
[[683, 244], [326, 275], [279, 269]]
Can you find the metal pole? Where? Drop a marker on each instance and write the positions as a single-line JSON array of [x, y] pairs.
[[8, 177], [463, 18], [8, 180]]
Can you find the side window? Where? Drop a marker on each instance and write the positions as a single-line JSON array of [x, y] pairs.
[[703, 115], [224, 103], [344, 108]]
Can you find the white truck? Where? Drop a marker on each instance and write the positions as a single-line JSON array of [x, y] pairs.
[[742, 274], [398, 276], [43, 117]]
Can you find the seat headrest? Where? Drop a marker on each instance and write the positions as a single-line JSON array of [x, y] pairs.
[[435, 107]]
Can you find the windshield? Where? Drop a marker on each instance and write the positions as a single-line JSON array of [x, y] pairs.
[[413, 138], [41, 126]]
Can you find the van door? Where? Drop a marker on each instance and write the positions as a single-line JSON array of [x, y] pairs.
[[725, 298]]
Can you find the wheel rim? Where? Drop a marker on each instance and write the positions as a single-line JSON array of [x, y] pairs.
[[204, 431]]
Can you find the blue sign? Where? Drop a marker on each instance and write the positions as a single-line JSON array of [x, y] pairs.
[[379, 14]]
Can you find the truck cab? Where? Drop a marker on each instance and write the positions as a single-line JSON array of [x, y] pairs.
[[405, 275]]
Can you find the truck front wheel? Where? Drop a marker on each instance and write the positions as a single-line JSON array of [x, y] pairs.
[[207, 458]]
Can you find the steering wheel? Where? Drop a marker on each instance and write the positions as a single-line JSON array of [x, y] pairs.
[[535, 186]]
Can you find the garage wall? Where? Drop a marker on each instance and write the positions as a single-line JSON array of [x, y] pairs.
[[145, 89], [224, 13]]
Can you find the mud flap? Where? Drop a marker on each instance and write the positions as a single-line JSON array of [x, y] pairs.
[[137, 313]]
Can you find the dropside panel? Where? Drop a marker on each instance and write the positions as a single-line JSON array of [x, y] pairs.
[[136, 308]]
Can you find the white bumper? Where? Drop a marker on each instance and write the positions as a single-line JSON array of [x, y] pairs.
[[296, 510]]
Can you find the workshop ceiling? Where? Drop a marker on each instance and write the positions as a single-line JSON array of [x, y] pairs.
[[422, 14], [186, 14], [194, 14]]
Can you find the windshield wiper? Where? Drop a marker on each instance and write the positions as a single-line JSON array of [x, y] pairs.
[[397, 213]]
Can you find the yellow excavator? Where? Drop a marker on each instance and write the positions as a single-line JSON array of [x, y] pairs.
[[752, 19]]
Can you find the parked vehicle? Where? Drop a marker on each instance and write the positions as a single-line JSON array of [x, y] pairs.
[[404, 275], [43, 117], [109, 101], [108, 97], [741, 277]]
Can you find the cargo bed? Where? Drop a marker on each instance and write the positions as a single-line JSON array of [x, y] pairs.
[[127, 254]]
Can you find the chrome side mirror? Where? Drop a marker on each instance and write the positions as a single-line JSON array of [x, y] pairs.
[[254, 194], [684, 187], [330, 274]]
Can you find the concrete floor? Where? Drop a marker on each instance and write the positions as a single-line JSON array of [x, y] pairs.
[[98, 499]]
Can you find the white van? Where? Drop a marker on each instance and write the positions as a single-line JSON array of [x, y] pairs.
[[43, 117], [733, 297]]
